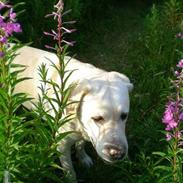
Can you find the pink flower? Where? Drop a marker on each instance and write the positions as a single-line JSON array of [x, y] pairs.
[[171, 125], [178, 134], [180, 64], [58, 34], [16, 27], [181, 116], [8, 28], [168, 118], [69, 43], [3, 39], [12, 15], [1, 54], [3, 5], [68, 31], [177, 73], [168, 137], [1, 19], [169, 113]]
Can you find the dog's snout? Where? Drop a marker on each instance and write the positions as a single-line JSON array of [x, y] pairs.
[[115, 153]]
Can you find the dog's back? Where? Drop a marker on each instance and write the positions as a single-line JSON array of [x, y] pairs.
[[32, 58]]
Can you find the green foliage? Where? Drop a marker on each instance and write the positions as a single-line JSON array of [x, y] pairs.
[[154, 55], [147, 57], [29, 140], [173, 13], [41, 133], [33, 17], [155, 52], [12, 126], [169, 164]]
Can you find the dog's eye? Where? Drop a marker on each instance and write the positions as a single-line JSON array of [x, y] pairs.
[[98, 119], [124, 116]]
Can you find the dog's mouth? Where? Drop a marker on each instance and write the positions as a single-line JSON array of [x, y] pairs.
[[111, 153], [110, 160]]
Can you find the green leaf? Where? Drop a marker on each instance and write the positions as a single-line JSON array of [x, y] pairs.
[[164, 168], [20, 80], [162, 154], [61, 136]]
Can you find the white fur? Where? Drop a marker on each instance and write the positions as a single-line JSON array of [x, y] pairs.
[[100, 93]]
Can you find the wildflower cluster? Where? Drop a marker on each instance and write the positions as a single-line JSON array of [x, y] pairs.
[[173, 115], [8, 25], [61, 30]]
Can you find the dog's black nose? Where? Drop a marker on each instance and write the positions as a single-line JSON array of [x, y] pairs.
[[114, 152]]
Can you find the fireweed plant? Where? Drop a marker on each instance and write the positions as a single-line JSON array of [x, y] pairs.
[[49, 115], [54, 96], [11, 127], [173, 119]]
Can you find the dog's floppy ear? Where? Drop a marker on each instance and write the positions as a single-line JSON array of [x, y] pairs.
[[124, 79], [80, 89]]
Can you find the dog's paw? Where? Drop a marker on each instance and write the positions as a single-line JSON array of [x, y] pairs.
[[86, 161]]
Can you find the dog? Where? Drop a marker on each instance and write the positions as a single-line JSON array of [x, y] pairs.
[[102, 110]]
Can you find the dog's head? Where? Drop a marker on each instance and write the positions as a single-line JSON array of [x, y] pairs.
[[103, 112]]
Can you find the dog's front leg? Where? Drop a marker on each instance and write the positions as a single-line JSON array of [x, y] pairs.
[[66, 162], [83, 157]]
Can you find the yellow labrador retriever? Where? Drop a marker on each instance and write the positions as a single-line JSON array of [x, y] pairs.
[[102, 111]]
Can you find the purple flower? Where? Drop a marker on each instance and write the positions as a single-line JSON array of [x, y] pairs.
[[3, 5], [177, 73], [171, 125], [3, 39], [7, 27], [53, 34], [69, 43], [68, 31], [169, 113], [50, 47], [168, 118], [16, 27], [10, 27], [181, 116], [58, 34], [180, 64], [180, 144], [178, 134], [168, 137], [1, 19], [12, 15], [1, 54]]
